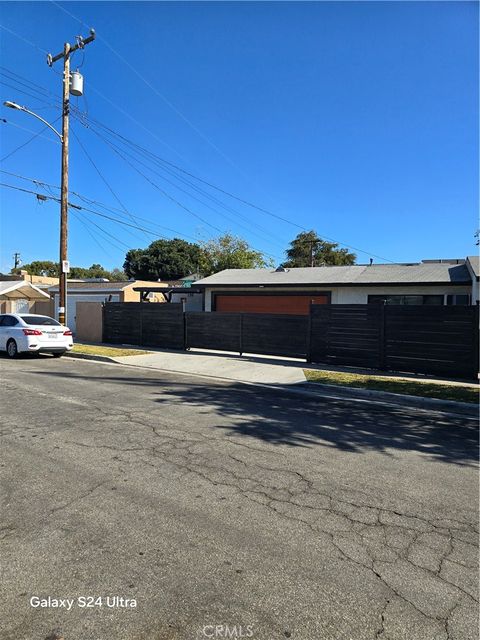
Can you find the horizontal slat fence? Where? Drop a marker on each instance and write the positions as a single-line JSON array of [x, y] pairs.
[[213, 331], [278, 335], [139, 323], [346, 334], [437, 340]]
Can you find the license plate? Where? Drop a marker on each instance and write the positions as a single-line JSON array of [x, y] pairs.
[[52, 335]]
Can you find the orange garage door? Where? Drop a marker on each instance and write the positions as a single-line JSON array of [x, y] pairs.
[[295, 305]]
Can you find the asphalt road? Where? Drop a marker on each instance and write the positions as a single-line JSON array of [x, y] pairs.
[[226, 510]]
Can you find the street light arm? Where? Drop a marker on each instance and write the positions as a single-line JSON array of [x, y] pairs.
[[35, 115]]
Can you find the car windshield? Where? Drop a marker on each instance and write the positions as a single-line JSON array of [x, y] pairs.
[[36, 320]]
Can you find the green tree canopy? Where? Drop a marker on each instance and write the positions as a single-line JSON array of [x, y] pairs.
[[39, 268], [49, 268], [163, 260], [300, 252], [229, 252]]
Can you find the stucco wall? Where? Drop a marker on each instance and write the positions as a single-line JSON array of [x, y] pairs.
[[89, 323], [346, 295]]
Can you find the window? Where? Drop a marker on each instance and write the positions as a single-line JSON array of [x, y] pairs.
[[9, 321], [458, 298], [40, 320], [405, 299]]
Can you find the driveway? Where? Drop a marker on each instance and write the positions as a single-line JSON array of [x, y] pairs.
[[220, 507]]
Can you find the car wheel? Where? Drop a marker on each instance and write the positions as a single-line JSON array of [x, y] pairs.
[[12, 350]]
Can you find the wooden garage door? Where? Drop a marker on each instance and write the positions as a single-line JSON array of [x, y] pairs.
[[295, 305]]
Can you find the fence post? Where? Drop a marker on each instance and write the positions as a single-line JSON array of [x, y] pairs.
[[185, 332], [103, 322], [241, 334], [141, 323], [383, 339], [476, 330], [309, 336]]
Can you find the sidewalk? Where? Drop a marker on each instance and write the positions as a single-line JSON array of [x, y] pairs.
[[256, 368], [251, 368]]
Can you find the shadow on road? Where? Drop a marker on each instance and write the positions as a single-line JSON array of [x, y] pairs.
[[289, 419]]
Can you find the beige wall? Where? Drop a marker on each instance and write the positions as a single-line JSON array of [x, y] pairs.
[[89, 321], [44, 308], [129, 295]]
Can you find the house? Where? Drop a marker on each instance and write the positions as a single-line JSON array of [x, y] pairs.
[[20, 296], [291, 291], [98, 291]]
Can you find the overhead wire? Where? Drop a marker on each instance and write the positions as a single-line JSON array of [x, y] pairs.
[[83, 198], [234, 220], [211, 185], [216, 187], [27, 142], [104, 180]]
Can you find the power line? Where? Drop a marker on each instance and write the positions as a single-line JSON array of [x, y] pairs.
[[155, 185], [155, 90], [211, 185], [24, 39], [43, 184], [27, 142], [145, 154], [269, 236], [102, 176]]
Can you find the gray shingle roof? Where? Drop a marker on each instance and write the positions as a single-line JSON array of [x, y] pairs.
[[474, 264], [356, 275], [93, 286]]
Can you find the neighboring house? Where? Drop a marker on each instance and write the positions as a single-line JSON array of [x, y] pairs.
[[97, 292], [473, 264], [291, 291], [18, 296]]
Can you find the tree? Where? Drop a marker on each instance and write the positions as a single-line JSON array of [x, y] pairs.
[[229, 252], [308, 244], [39, 268], [49, 268], [163, 260]]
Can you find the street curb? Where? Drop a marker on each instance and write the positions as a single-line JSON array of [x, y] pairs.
[[317, 390], [84, 356], [452, 406]]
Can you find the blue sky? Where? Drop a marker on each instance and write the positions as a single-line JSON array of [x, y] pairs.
[[359, 120]]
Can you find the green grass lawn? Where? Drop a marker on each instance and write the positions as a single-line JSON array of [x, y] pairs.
[[408, 387], [100, 350]]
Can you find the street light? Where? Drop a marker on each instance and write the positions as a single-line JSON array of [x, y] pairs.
[[14, 105], [63, 209]]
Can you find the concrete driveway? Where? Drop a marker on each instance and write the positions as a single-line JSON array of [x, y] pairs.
[[220, 506], [248, 368]]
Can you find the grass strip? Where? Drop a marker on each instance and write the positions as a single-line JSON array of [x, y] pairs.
[[407, 387], [100, 350]]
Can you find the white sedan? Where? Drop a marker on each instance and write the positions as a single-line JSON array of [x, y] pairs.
[[31, 333]]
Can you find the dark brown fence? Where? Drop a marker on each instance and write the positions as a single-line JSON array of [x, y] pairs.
[[213, 331], [271, 334], [419, 339], [138, 323]]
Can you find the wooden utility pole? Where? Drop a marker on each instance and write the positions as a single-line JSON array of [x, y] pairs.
[[68, 49]]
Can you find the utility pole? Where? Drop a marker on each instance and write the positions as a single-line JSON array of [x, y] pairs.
[[16, 260], [68, 49], [312, 244]]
